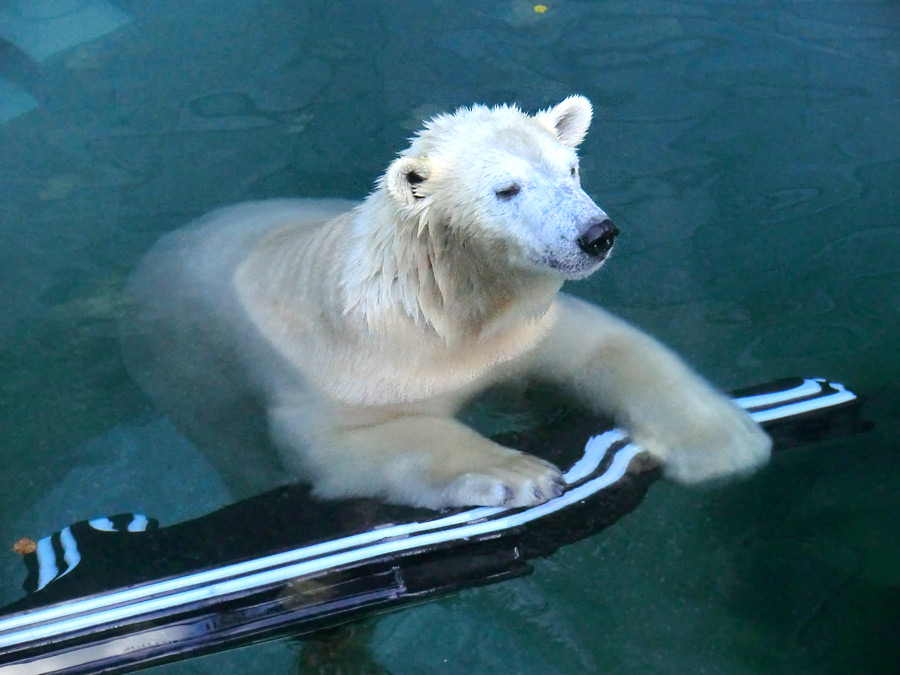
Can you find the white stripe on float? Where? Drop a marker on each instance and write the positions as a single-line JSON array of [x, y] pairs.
[[70, 550], [801, 407], [138, 523], [102, 524], [594, 451], [47, 569], [808, 388]]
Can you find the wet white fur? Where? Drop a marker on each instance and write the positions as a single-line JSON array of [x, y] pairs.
[[363, 328]]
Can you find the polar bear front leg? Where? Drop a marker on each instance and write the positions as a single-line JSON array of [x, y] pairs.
[[698, 433], [419, 460]]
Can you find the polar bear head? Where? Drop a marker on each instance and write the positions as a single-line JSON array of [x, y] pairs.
[[506, 184]]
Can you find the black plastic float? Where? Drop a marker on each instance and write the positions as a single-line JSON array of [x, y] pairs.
[[120, 593]]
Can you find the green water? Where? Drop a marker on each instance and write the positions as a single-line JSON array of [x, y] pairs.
[[748, 151]]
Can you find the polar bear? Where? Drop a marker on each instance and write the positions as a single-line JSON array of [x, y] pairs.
[[357, 330]]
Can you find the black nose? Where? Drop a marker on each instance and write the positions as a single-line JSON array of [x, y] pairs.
[[598, 238]]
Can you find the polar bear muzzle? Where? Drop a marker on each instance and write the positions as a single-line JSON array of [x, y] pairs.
[[598, 238]]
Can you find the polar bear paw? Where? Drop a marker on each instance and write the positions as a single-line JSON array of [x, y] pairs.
[[713, 443], [513, 479]]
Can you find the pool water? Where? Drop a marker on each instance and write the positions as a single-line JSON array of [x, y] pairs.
[[748, 152]]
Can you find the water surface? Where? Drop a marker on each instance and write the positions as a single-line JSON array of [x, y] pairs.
[[750, 154]]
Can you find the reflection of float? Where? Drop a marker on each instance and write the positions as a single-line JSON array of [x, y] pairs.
[[118, 593]]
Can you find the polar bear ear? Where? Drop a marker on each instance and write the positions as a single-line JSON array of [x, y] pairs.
[[404, 177], [569, 120]]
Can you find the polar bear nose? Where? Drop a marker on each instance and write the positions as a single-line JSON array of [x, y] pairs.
[[598, 238]]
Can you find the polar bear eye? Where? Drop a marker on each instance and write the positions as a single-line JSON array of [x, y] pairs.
[[573, 171], [508, 192]]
